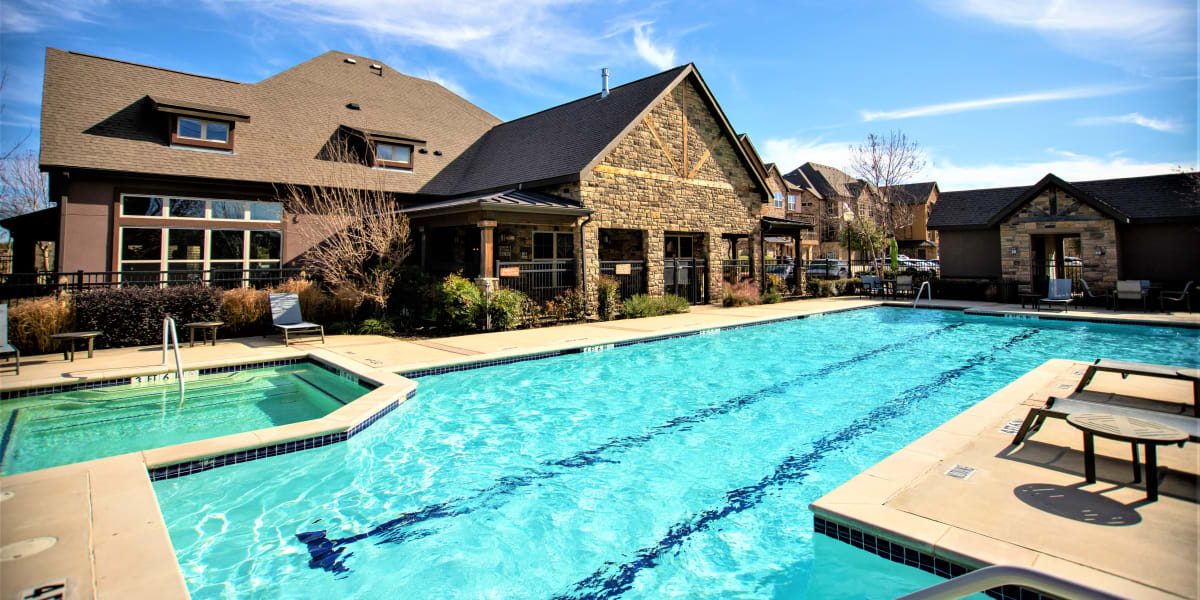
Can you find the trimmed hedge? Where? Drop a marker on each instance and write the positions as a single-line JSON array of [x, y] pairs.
[[132, 316], [645, 305]]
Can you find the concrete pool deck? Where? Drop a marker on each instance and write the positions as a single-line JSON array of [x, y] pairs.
[[112, 541]]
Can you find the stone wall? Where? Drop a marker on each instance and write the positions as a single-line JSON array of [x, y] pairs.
[[1069, 216], [651, 187]]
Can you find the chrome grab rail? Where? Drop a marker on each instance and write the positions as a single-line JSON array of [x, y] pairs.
[[924, 286], [999, 575], [169, 326]]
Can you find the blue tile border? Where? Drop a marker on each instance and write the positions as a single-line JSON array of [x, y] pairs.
[[904, 555], [241, 456], [414, 373], [1060, 317]]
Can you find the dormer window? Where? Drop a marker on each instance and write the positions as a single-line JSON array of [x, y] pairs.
[[192, 131], [397, 156]]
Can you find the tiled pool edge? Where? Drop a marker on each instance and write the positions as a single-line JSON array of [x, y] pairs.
[[468, 365]]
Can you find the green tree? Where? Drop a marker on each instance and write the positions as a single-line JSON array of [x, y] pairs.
[[863, 235]]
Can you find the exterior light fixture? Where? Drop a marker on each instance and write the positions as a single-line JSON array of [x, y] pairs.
[[1013, 250], [1099, 250]]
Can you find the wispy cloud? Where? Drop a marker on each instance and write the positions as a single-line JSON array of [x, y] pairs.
[[21, 16], [790, 153], [987, 103], [658, 54], [1136, 35], [1164, 125]]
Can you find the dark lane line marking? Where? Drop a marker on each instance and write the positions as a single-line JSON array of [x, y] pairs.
[[325, 553]]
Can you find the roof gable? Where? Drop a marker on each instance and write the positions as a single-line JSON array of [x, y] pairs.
[[1052, 180]]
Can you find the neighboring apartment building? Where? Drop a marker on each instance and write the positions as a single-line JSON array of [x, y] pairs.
[[1098, 231], [911, 204], [836, 197], [158, 171]]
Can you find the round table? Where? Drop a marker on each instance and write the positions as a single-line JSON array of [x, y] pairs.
[[71, 336], [205, 328], [1150, 434]]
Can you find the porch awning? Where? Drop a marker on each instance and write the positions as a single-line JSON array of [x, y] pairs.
[[785, 226], [778, 240], [506, 201]]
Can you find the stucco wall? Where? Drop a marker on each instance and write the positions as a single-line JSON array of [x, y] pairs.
[[971, 253], [1166, 253]]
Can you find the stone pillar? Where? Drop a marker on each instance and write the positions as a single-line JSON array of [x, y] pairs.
[[588, 269], [487, 230], [654, 261], [715, 279]]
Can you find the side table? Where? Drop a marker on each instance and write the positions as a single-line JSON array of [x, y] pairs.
[[1150, 434], [72, 337]]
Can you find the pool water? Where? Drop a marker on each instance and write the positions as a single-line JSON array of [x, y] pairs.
[[57, 429], [681, 468]]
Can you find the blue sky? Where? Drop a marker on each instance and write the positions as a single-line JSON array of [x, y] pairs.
[[996, 93]]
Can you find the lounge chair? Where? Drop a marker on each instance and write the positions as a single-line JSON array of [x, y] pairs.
[[6, 348], [1176, 297], [1127, 368], [1129, 289], [904, 285], [1059, 292], [285, 314], [1108, 404], [1092, 298]]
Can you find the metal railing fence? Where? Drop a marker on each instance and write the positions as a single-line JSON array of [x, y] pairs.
[[633, 282], [26, 285], [541, 280]]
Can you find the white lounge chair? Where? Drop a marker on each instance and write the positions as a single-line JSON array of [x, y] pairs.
[[1059, 292], [1130, 289], [285, 314], [6, 348]]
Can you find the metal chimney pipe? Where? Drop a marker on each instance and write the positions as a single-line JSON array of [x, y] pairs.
[[604, 79]]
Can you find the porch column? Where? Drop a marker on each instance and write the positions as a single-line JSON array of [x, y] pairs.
[[487, 230], [423, 249]]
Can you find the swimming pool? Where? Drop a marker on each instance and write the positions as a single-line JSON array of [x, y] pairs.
[[66, 427], [680, 468]]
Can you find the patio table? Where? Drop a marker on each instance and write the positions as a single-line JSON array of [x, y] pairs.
[[71, 337], [206, 328], [1031, 298], [1150, 434]]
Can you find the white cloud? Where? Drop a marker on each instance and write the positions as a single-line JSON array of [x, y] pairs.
[[29, 17], [440, 78], [659, 55], [1164, 125], [790, 153], [1135, 35], [987, 103]]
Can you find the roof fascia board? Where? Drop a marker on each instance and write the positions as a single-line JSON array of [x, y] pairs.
[[417, 212]]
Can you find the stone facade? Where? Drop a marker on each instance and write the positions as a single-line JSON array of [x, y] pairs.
[[1056, 213], [676, 171]]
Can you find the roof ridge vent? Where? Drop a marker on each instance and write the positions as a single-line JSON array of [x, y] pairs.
[[350, 61], [377, 67]]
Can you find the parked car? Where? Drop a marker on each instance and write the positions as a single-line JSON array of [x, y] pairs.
[[827, 267], [783, 270]]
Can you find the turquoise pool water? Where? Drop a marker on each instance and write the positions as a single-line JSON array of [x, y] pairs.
[[57, 429], [681, 468]]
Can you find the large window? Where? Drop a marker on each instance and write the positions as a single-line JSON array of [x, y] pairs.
[[549, 245], [185, 254], [200, 208], [191, 131]]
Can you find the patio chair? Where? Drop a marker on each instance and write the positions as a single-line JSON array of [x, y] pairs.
[[871, 285], [285, 314], [6, 348], [1181, 296], [1130, 289], [1127, 368], [1091, 297], [1059, 292], [1109, 404], [904, 285]]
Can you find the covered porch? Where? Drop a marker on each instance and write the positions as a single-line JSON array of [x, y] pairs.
[[520, 240]]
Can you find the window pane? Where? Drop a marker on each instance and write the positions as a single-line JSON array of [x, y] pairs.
[[383, 151], [141, 206], [228, 210], [187, 208], [262, 211], [401, 153], [543, 246], [685, 247], [217, 132], [189, 128], [185, 244], [225, 274], [566, 245], [141, 244], [227, 245], [140, 272], [264, 244], [185, 272]]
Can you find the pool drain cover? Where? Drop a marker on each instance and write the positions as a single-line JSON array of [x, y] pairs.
[[960, 471], [1012, 427], [5, 495], [24, 548]]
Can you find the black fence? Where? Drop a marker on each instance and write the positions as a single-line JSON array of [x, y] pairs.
[[1044, 270], [541, 280], [686, 278], [27, 285], [631, 274]]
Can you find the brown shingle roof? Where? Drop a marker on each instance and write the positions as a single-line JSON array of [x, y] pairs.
[[911, 193], [96, 114]]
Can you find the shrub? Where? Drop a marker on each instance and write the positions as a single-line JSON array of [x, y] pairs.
[[375, 327], [644, 305], [457, 303], [506, 309], [821, 288], [339, 328], [609, 301], [775, 284], [742, 293], [848, 287], [31, 322], [132, 316], [772, 297], [246, 311], [570, 305]]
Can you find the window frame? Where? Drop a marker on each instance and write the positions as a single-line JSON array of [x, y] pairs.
[[206, 260], [778, 199], [247, 208], [392, 164], [791, 202], [200, 142]]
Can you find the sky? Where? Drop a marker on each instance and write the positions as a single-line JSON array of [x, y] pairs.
[[996, 92]]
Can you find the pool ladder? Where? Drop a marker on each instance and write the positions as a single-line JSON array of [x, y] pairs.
[[928, 289], [1000, 575], [169, 326]]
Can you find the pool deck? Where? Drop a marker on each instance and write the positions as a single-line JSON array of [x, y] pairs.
[[112, 541]]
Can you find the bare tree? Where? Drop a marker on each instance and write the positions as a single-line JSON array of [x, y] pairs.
[[885, 162], [23, 187], [359, 238]]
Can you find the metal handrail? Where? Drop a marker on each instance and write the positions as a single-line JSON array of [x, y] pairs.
[[999, 575], [169, 326], [924, 286]]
